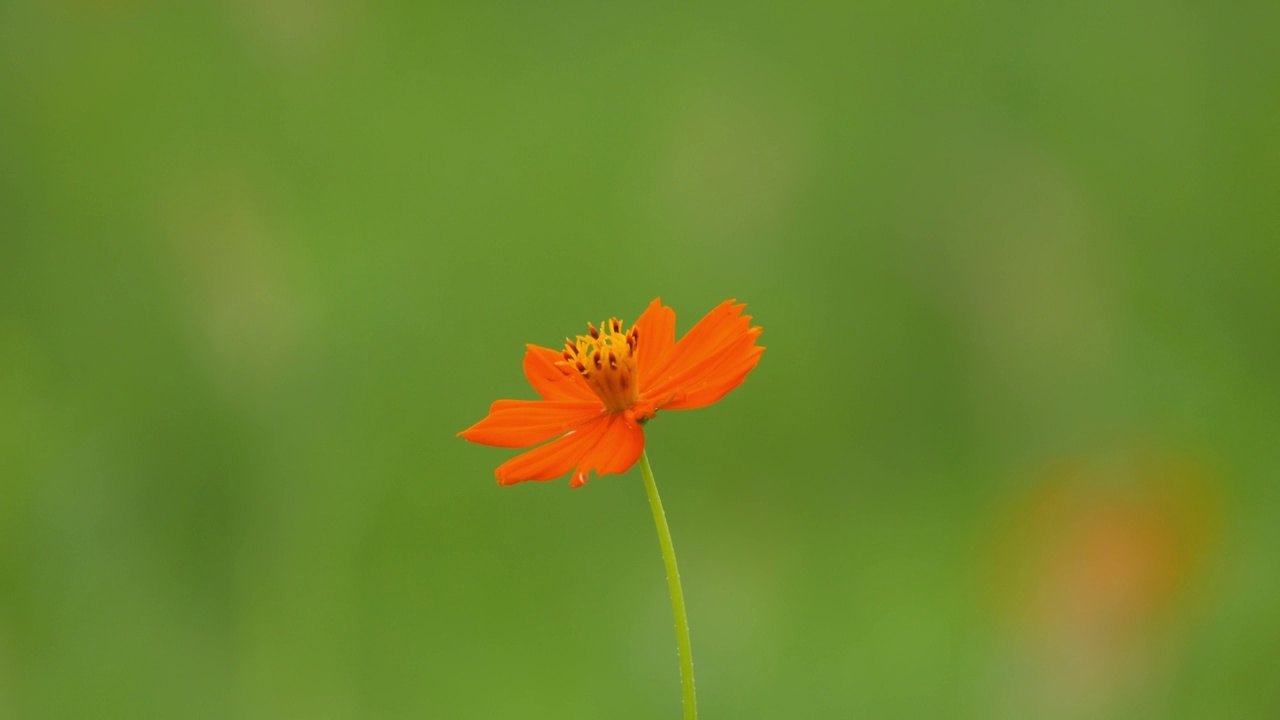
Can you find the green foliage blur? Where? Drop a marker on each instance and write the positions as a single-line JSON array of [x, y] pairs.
[[1012, 452]]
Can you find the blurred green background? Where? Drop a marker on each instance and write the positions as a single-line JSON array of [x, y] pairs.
[[1012, 452]]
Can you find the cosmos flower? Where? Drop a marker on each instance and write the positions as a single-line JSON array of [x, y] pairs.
[[598, 392]]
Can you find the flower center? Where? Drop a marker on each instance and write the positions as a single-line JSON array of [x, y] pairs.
[[606, 359]]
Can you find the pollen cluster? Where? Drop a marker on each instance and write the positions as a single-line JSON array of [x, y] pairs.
[[606, 359]]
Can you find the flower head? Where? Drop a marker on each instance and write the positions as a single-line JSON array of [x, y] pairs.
[[604, 386]]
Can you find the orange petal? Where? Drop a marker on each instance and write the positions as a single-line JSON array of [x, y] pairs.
[[521, 423], [611, 444], [726, 377], [710, 360], [549, 380], [614, 453], [550, 461], [657, 329], [705, 332]]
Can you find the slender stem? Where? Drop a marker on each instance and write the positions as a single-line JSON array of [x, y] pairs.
[[673, 584]]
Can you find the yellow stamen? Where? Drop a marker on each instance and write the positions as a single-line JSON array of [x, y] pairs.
[[606, 359]]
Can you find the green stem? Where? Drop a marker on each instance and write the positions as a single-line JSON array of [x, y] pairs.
[[673, 584]]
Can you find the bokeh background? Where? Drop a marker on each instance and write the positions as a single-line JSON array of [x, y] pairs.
[[1012, 452]]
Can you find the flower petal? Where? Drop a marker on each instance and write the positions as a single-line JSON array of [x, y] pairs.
[[551, 382], [710, 360], [610, 444], [704, 333], [614, 453], [657, 330], [720, 380], [521, 423], [553, 460]]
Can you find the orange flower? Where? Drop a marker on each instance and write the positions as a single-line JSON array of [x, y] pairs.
[[598, 393]]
